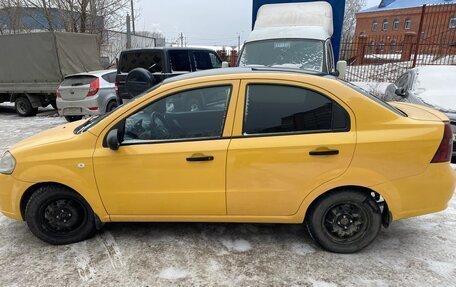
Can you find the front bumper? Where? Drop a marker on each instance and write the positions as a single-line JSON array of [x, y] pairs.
[[11, 191], [81, 107]]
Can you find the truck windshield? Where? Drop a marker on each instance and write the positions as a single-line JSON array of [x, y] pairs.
[[305, 54]]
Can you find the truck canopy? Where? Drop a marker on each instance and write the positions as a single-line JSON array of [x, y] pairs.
[[318, 9], [46, 57], [296, 15]]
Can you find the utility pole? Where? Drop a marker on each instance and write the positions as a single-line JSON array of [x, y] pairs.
[[128, 32], [239, 42], [133, 16], [181, 39]]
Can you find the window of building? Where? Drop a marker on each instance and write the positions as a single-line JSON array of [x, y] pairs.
[[381, 46], [374, 26], [396, 24], [408, 24], [385, 25], [393, 46], [453, 22], [372, 46]]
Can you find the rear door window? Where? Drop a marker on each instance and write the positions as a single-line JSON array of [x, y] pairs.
[[149, 60], [286, 109], [180, 61]]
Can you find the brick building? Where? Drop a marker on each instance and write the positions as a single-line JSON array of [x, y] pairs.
[[388, 27]]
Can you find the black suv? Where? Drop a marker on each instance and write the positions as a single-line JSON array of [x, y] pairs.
[[140, 69]]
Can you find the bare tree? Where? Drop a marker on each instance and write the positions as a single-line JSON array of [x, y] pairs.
[[351, 8]]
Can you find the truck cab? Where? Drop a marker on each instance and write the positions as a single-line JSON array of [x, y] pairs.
[[293, 35]]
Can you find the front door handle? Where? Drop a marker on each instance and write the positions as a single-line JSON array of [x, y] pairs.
[[194, 158], [324, 152]]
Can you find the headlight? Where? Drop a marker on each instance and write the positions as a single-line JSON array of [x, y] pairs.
[[7, 163]]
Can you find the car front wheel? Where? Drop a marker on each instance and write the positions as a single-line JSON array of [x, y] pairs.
[[344, 221], [59, 216]]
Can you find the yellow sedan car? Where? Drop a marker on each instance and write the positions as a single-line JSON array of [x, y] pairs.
[[236, 145]]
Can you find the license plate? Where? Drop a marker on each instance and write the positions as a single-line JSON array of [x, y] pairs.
[[72, 111]]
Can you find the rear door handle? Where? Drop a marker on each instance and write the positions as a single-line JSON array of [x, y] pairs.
[[324, 152], [200, 158]]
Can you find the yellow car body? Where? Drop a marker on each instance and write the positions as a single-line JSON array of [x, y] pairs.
[[262, 179]]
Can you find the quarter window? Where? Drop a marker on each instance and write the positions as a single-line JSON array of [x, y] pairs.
[[193, 114], [285, 109], [180, 61]]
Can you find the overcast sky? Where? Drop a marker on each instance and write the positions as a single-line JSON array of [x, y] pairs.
[[203, 22]]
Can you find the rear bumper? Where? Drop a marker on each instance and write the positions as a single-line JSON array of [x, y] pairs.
[[82, 107], [11, 191], [422, 194]]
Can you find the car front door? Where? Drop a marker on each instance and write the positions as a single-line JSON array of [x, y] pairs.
[[288, 139], [172, 158]]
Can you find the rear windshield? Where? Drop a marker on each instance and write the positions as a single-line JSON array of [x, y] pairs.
[[374, 98], [74, 81], [149, 60]]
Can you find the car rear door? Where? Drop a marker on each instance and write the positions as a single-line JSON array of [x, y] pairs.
[[288, 139]]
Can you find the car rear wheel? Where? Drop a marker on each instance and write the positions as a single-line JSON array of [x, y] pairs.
[[59, 216], [344, 221], [111, 106], [73, 118], [24, 108]]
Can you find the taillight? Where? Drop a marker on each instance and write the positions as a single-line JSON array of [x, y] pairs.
[[94, 87], [445, 150], [58, 94], [117, 88]]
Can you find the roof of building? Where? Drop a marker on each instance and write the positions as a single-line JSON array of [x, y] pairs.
[[386, 5]]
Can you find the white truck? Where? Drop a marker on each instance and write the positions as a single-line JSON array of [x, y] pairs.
[[293, 35], [32, 66]]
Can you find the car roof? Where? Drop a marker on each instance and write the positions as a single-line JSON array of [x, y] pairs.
[[243, 70], [98, 73], [167, 49]]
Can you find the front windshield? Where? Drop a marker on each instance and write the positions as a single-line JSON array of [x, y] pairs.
[[305, 54]]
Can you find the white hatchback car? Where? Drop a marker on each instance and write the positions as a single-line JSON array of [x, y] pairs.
[[87, 94]]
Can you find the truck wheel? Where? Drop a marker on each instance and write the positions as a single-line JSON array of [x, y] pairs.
[[24, 108], [73, 118], [344, 221], [59, 216]]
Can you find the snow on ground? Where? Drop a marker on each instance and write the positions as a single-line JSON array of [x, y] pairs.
[[376, 88], [412, 252]]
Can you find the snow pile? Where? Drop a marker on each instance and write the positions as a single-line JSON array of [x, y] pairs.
[[239, 245], [173, 273]]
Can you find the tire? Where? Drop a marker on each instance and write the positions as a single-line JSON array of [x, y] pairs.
[[54, 105], [58, 216], [344, 221], [24, 108], [111, 106], [73, 118]]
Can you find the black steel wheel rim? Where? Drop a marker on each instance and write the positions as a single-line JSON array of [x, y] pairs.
[[62, 216], [345, 222], [21, 106]]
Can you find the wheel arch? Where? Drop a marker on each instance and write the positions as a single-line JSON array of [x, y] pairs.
[[32, 189], [382, 201]]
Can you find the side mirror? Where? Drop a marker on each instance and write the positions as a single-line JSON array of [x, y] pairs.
[[113, 140], [401, 92], [341, 67], [225, 65]]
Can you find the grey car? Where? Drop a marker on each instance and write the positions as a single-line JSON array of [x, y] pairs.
[[87, 94], [432, 86]]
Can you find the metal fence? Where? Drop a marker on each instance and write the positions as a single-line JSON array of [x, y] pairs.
[[382, 58]]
